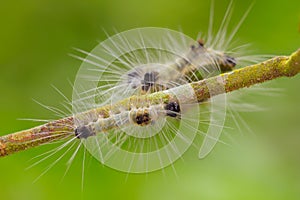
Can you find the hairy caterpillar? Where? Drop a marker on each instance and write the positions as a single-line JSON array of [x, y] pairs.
[[142, 61], [148, 132]]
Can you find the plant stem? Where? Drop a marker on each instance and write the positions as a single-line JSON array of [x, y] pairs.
[[245, 77]]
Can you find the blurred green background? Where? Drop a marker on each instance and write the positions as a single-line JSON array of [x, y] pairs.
[[35, 39]]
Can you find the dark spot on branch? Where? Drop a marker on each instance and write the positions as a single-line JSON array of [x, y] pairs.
[[230, 61], [149, 80], [172, 109], [142, 119], [227, 63], [83, 132]]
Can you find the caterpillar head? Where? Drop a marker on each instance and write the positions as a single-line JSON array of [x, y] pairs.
[[210, 57]]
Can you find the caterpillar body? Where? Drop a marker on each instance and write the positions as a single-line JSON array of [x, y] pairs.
[[137, 66], [142, 96]]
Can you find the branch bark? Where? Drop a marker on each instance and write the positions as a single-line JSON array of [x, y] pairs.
[[281, 66]]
